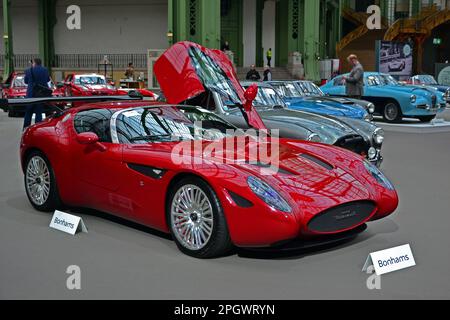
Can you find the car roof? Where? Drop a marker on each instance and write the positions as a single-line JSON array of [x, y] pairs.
[[259, 84]]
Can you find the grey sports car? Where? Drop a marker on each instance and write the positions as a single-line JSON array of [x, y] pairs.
[[359, 136]]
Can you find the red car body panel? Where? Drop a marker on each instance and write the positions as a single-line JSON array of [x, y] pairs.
[[100, 178], [20, 91]]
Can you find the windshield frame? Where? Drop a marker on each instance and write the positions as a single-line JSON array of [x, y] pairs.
[[115, 118]]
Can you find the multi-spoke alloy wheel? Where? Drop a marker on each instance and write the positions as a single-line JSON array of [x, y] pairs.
[[192, 217], [196, 219], [40, 183], [38, 180]]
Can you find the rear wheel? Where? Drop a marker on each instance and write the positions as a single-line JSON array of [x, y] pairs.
[[40, 183], [426, 119], [196, 219], [392, 112]]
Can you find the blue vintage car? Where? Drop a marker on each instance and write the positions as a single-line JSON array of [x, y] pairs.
[[393, 100], [298, 100], [429, 81]]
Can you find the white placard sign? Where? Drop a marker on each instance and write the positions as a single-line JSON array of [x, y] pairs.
[[67, 223], [389, 260]]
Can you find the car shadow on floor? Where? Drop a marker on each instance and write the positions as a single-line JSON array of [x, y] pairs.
[[385, 226]]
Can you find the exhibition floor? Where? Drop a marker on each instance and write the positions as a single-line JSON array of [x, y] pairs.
[[119, 260]]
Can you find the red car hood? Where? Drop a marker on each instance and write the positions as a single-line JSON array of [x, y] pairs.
[[180, 79]]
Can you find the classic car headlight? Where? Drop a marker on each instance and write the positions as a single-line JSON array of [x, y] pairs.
[[413, 98], [368, 118], [268, 194], [379, 176], [371, 107], [378, 136], [447, 94], [314, 137]]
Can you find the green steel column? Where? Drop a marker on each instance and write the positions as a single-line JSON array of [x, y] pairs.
[[289, 29], [259, 29], [210, 23], [178, 22], [47, 22], [384, 6], [311, 27], [7, 40]]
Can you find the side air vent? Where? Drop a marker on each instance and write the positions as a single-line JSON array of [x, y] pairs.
[[317, 161], [240, 201], [148, 171]]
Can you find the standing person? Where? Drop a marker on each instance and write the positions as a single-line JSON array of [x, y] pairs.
[[354, 83], [269, 57], [37, 78], [253, 74], [129, 72], [267, 74], [226, 47]]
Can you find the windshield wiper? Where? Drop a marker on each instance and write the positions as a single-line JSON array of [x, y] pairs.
[[155, 137]]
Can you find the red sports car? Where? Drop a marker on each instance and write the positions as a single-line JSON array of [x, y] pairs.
[[15, 88], [88, 85], [125, 159]]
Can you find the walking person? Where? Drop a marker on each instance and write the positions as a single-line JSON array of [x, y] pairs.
[[269, 57], [267, 74], [354, 83], [253, 74], [37, 78]]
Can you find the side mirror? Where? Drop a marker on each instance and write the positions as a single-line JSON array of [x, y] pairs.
[[251, 93], [90, 138], [87, 138]]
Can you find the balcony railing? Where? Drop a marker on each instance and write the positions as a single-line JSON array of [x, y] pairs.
[[82, 61]]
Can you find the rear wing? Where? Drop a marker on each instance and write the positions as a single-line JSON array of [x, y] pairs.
[[5, 104]]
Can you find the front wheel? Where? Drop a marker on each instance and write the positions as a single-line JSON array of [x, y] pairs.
[[40, 183], [426, 119], [196, 219], [392, 112]]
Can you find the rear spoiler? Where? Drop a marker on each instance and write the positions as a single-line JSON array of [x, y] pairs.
[[6, 103]]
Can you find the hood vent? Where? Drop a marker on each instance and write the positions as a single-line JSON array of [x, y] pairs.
[[321, 163]]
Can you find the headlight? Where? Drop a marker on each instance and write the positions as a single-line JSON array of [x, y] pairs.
[[314, 137], [379, 176], [268, 194], [372, 154], [378, 136], [368, 118], [447, 94], [371, 108], [413, 98]]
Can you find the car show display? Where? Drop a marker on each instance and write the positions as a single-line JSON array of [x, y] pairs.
[[393, 100]]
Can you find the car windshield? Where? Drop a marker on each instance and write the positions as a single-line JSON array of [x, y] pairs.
[[212, 76], [310, 88], [267, 97], [168, 124], [19, 82], [90, 80], [427, 79], [287, 90], [387, 79]]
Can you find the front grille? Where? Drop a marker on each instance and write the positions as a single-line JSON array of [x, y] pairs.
[[354, 143], [433, 100], [342, 217]]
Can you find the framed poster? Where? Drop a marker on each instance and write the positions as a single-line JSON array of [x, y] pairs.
[[395, 58]]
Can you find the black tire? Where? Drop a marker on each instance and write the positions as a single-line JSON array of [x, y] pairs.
[[392, 112], [426, 119], [219, 242], [53, 200]]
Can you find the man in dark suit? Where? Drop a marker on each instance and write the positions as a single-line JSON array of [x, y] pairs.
[[37, 74]]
